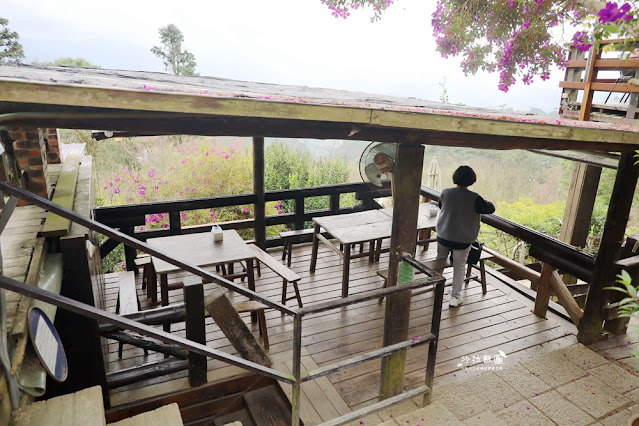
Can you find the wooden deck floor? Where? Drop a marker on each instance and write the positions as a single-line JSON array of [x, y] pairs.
[[501, 320]]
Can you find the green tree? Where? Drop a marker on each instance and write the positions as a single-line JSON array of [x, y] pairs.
[[176, 59], [291, 168], [68, 62], [10, 48]]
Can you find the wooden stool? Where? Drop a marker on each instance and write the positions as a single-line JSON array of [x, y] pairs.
[[289, 238], [257, 307]]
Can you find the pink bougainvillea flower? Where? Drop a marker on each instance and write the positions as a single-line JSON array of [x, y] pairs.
[[245, 210], [142, 192], [184, 161], [613, 13], [156, 187], [117, 179], [580, 39], [207, 154], [116, 191], [125, 170], [227, 156], [171, 168]]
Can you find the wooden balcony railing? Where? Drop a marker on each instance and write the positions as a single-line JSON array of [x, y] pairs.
[[127, 217]]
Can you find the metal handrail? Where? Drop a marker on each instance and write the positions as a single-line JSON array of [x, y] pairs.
[[137, 244], [433, 278]]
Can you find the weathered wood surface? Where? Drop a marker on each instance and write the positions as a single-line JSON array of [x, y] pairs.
[[231, 324], [200, 249], [128, 296], [64, 195], [407, 175], [83, 408], [238, 108], [168, 415], [273, 264], [266, 406], [501, 319]]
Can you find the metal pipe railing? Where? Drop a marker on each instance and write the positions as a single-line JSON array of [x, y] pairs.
[[297, 378]]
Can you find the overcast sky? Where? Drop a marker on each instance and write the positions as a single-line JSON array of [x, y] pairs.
[[279, 41]]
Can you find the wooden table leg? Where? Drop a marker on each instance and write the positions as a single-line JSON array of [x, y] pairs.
[[251, 284], [315, 244], [426, 233], [378, 252], [371, 251], [346, 268], [164, 289], [152, 288]]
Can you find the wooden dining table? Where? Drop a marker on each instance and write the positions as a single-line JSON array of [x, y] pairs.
[[200, 249], [370, 226]]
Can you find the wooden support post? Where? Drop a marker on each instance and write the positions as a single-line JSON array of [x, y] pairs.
[[299, 213], [565, 298], [195, 328], [334, 205], [591, 75], [408, 174], [129, 252], [581, 200], [603, 274], [226, 317], [579, 206], [543, 291], [175, 223], [259, 207]]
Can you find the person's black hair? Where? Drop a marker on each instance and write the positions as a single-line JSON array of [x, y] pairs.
[[464, 176]]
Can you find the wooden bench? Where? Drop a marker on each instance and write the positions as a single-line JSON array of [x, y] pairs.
[[258, 308], [289, 238], [441, 264], [286, 274], [128, 302]]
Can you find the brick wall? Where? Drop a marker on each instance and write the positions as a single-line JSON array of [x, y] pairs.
[[53, 149], [31, 154]]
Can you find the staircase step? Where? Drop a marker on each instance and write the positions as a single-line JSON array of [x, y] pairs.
[[82, 408], [242, 416], [167, 415], [267, 406]]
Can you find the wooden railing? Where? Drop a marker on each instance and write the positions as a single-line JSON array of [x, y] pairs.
[[183, 346], [127, 217]]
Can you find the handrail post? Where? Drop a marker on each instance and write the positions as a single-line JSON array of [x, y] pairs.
[[130, 253], [175, 223], [299, 212], [259, 208], [432, 346], [297, 365], [195, 328], [334, 204]]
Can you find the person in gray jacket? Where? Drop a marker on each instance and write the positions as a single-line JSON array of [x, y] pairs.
[[458, 225]]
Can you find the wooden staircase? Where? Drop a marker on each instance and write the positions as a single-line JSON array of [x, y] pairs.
[[251, 399]]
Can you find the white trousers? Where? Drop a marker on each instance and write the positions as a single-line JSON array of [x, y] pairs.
[[459, 266]]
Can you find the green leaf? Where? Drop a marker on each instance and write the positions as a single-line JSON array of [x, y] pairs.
[[623, 290], [632, 291], [611, 28]]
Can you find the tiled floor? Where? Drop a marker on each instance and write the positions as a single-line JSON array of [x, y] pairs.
[[570, 386]]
